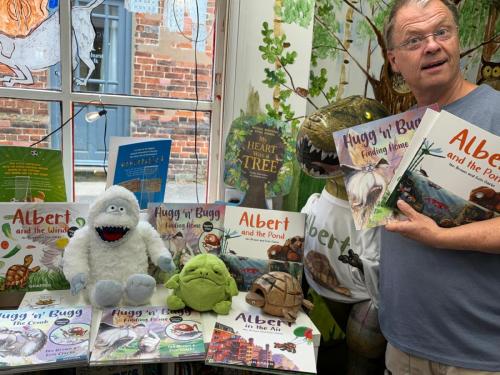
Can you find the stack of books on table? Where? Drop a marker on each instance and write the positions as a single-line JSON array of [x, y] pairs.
[[44, 338], [147, 334]]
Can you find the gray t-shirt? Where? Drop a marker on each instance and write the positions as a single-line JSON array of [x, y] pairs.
[[444, 305]]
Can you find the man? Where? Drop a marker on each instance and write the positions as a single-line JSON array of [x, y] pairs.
[[440, 288]]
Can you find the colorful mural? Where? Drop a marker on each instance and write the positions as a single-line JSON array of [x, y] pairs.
[[27, 26], [348, 43]]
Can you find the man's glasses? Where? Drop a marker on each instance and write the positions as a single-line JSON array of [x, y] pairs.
[[416, 42]]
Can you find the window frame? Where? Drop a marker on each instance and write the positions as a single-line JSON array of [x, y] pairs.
[[68, 98]]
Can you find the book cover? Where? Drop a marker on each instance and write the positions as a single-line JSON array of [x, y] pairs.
[[249, 338], [450, 173], [48, 338], [32, 243], [188, 229], [148, 334], [44, 299], [31, 175], [257, 241], [142, 168], [368, 155]]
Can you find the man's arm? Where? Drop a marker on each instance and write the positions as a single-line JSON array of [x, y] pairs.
[[483, 236]]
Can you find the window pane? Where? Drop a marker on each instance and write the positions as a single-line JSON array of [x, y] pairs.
[[145, 54], [29, 39], [24, 122], [183, 170]]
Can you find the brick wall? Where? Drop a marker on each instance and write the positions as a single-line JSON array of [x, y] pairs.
[[162, 66]]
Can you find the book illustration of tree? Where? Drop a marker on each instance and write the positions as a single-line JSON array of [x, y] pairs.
[[388, 88], [259, 158]]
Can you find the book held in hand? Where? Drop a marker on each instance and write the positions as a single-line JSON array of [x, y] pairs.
[[147, 334], [368, 155], [41, 339], [450, 173]]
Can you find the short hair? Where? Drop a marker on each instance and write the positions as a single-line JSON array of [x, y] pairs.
[[398, 4]]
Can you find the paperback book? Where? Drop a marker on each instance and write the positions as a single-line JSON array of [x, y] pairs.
[[368, 155], [257, 241], [45, 299], [147, 334], [142, 168], [254, 340], [40, 339], [450, 172], [32, 243], [189, 229], [30, 174]]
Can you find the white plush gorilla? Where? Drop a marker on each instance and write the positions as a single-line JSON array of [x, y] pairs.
[[109, 256]]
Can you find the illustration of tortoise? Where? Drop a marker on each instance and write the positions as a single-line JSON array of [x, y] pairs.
[[322, 272], [17, 275], [278, 293]]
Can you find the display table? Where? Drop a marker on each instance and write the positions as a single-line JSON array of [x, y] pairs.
[[64, 298]]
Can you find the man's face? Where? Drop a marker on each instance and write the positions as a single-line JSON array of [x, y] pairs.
[[436, 64]]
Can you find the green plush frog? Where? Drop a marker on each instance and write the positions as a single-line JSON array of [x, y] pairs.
[[204, 284]]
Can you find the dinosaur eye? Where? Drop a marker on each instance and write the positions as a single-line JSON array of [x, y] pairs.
[[111, 208]]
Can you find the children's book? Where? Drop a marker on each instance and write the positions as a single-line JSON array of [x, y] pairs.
[[147, 334], [135, 369], [257, 241], [188, 229], [450, 173], [252, 339], [45, 299], [368, 155], [142, 168], [31, 175], [40, 339], [32, 243]]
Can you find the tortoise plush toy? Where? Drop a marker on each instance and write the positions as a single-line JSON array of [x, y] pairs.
[[279, 294]]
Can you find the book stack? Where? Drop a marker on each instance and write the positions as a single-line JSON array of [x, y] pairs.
[[44, 339], [249, 338], [147, 334]]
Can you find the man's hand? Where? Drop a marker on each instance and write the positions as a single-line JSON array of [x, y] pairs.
[[418, 227]]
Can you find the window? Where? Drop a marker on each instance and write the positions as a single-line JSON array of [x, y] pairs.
[[143, 68]]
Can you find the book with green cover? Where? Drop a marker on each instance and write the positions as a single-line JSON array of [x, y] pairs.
[[30, 174]]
